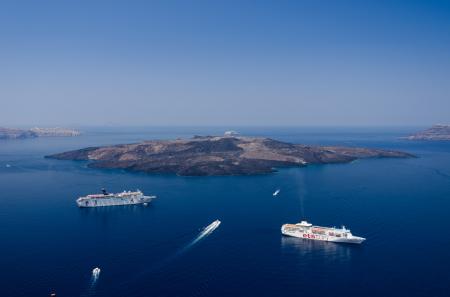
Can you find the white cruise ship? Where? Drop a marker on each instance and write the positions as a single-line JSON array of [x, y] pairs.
[[308, 231], [107, 199]]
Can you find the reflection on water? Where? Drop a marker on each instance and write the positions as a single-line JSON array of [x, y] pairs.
[[328, 251], [302, 192], [110, 213]]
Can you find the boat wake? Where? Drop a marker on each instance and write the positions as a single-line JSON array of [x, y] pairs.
[[205, 232], [92, 284], [158, 266]]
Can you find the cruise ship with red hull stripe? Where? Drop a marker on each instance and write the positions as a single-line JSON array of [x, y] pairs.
[[308, 231]]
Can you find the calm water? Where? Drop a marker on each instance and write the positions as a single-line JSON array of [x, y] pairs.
[[402, 206]]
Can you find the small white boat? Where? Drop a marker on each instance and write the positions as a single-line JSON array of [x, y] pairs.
[[96, 272], [211, 227], [276, 192]]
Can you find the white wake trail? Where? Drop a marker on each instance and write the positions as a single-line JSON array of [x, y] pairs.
[[94, 278], [205, 232]]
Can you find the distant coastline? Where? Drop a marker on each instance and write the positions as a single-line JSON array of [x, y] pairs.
[[14, 133], [436, 132]]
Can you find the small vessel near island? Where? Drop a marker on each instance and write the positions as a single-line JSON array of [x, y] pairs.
[[107, 199], [308, 231]]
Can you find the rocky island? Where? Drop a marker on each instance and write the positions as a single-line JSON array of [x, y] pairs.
[[436, 132], [218, 155], [13, 133]]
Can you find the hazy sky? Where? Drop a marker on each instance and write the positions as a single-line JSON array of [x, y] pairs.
[[224, 62]]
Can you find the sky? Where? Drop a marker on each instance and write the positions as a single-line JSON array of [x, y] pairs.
[[224, 63]]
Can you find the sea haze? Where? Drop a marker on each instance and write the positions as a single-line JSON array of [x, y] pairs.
[[400, 205]]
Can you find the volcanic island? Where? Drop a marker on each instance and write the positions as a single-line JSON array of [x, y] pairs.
[[218, 155]]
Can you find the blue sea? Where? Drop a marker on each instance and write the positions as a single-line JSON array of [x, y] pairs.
[[402, 207]]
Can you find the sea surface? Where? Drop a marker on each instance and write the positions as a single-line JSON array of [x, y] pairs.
[[402, 207]]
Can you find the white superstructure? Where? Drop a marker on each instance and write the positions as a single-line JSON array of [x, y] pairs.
[[308, 231], [107, 199]]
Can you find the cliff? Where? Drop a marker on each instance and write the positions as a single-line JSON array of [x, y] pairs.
[[12, 133], [436, 132]]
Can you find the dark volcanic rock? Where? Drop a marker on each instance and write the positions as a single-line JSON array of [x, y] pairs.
[[218, 155], [436, 132]]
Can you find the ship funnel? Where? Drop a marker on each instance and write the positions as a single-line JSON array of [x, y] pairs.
[[104, 191]]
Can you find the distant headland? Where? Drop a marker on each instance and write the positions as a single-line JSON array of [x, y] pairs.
[[13, 133], [218, 155], [436, 132]]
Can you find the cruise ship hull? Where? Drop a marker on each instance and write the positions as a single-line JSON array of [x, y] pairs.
[[307, 233], [113, 201]]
